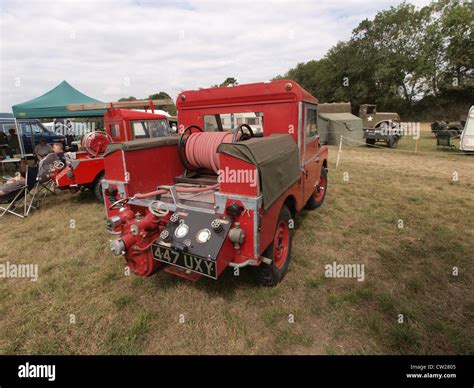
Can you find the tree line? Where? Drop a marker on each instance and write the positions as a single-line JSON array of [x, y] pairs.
[[414, 61], [171, 109]]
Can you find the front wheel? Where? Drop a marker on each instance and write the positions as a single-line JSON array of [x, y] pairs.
[[392, 142], [279, 252], [98, 187], [317, 199]]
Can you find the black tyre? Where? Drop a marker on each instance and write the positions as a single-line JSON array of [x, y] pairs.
[[370, 142], [392, 142], [317, 199], [98, 187], [453, 133], [279, 252]]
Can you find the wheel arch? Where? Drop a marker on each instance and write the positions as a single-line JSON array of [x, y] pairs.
[[291, 204], [101, 172]]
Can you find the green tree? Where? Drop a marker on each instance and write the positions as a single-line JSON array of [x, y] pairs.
[[404, 59], [227, 82], [171, 109], [131, 98]]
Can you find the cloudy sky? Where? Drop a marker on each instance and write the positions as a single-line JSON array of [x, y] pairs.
[[112, 49]]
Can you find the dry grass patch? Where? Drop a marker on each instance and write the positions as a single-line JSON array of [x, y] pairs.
[[408, 271]]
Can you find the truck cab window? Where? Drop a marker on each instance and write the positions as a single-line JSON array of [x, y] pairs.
[[25, 128], [37, 130], [114, 130], [311, 119], [157, 128], [229, 121], [145, 129], [138, 131]]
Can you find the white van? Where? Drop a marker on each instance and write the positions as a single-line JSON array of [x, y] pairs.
[[467, 135]]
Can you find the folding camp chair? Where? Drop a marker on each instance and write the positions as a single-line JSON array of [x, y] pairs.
[[20, 197], [444, 139], [46, 184]]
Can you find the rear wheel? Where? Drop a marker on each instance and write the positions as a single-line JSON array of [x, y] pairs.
[[317, 199], [279, 252], [98, 187]]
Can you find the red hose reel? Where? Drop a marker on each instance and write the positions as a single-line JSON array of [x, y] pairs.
[[200, 148], [95, 143]]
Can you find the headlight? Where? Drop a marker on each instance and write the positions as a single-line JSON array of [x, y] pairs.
[[181, 231], [203, 236]]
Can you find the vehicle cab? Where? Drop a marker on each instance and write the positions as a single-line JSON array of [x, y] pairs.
[[85, 168]]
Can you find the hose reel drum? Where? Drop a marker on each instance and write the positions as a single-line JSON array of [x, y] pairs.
[[198, 149], [95, 143]]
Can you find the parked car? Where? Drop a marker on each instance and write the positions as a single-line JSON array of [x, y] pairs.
[[31, 131], [380, 126]]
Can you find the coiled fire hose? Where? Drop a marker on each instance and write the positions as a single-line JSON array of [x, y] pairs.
[[201, 149], [95, 143]]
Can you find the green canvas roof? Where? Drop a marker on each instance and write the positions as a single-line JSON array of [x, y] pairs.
[[53, 104], [339, 116], [276, 158]]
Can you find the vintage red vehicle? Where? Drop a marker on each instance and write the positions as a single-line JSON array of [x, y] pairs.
[[226, 192], [85, 169]]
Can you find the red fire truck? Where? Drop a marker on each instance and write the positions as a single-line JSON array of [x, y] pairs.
[[85, 169], [226, 192]]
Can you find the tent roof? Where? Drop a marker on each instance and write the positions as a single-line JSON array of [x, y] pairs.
[[53, 104], [339, 116]]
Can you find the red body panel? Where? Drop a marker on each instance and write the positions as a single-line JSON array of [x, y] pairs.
[[142, 170]]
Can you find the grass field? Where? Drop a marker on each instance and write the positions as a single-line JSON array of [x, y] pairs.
[[83, 303]]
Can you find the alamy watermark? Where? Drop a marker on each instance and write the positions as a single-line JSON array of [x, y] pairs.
[[74, 128], [32, 371], [351, 271], [231, 175], [390, 127], [19, 271]]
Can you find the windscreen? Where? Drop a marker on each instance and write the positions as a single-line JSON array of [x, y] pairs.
[[149, 129], [230, 121]]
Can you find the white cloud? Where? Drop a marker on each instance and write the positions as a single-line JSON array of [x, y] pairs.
[[112, 49]]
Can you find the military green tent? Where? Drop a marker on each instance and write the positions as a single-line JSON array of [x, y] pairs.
[[332, 125], [53, 104]]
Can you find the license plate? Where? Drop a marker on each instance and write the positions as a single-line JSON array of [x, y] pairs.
[[185, 261]]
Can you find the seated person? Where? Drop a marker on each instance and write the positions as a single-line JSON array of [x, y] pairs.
[[45, 166], [12, 184], [58, 149], [42, 149], [13, 143]]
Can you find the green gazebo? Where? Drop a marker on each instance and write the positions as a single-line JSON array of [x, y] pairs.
[[53, 104]]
